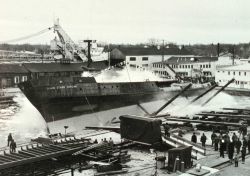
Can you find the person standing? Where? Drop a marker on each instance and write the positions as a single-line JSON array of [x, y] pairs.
[[222, 149], [243, 154], [12, 146], [203, 140], [236, 160], [213, 136], [216, 143], [238, 145], [10, 138], [244, 144], [248, 145], [231, 151], [234, 138], [194, 138]]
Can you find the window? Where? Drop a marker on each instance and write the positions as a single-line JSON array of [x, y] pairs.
[[229, 73], [16, 79], [132, 58], [145, 65], [245, 73], [191, 66], [24, 78], [233, 73], [144, 58], [239, 73]]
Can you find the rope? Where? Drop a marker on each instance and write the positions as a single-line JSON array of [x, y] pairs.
[[26, 37], [128, 73]]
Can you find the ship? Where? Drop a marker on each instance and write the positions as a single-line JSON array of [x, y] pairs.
[[67, 94]]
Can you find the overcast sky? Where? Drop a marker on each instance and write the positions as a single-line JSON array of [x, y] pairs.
[[129, 21]]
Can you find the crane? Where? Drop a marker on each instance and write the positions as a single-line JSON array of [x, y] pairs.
[[66, 45]]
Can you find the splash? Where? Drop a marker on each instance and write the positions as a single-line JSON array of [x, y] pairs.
[[22, 120], [127, 75], [182, 106]]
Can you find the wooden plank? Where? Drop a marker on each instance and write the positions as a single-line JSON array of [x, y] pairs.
[[225, 115], [49, 148], [204, 121], [46, 150], [237, 109], [9, 157], [21, 155], [35, 151], [37, 158], [15, 156], [27, 153], [5, 159]]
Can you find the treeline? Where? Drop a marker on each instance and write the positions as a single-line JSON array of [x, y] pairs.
[[39, 49], [242, 50]]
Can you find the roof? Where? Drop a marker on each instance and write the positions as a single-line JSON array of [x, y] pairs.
[[58, 67], [133, 117], [53, 67], [189, 59], [243, 67], [12, 68], [138, 51]]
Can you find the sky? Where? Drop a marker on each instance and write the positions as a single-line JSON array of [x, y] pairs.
[[129, 21]]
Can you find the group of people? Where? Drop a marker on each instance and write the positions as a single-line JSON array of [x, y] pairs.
[[11, 143], [110, 142], [203, 139], [233, 146]]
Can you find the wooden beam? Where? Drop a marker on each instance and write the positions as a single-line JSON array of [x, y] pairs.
[[237, 109], [204, 121], [33, 158], [225, 115]]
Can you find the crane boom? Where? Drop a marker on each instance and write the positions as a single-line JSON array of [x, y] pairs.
[[70, 49]]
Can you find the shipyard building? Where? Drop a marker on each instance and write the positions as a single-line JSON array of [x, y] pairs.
[[143, 57], [241, 74]]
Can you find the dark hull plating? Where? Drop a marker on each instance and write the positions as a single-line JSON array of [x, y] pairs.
[[75, 96]]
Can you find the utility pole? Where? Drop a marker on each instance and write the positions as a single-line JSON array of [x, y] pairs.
[[163, 51]]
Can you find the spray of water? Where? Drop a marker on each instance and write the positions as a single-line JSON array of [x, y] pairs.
[[126, 75], [182, 106], [22, 120]]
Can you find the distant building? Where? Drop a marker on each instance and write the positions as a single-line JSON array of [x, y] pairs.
[[226, 59], [12, 74], [142, 57], [241, 74], [187, 66]]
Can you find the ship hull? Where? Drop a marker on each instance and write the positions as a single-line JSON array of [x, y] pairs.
[[56, 101], [77, 96], [61, 108]]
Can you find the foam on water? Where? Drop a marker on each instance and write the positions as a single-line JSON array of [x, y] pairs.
[[126, 75], [26, 123]]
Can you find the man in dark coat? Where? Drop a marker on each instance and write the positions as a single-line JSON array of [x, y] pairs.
[[203, 140], [13, 146], [238, 145], [9, 139], [231, 151], [213, 136], [216, 143], [243, 154], [248, 145], [234, 138], [194, 138], [222, 148]]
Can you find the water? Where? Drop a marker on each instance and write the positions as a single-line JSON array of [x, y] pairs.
[[25, 122]]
